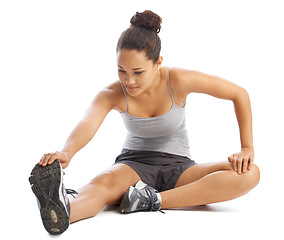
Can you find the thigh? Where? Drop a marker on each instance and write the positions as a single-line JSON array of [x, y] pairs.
[[199, 171], [111, 184]]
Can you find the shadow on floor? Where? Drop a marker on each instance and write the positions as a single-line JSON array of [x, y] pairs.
[[203, 208]]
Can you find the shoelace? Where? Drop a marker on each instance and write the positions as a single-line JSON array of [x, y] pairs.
[[148, 203], [71, 192], [152, 200]]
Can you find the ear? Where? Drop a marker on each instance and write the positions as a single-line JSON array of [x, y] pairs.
[[158, 63]]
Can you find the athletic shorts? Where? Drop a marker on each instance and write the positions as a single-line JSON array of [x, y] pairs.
[[159, 170]]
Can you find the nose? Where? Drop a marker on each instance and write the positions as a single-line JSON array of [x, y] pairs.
[[130, 80]]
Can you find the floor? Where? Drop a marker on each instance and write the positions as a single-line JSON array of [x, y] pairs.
[[252, 216]]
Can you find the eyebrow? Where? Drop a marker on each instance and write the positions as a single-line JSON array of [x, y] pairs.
[[132, 68]]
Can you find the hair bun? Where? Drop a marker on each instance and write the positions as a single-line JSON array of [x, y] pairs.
[[147, 19]]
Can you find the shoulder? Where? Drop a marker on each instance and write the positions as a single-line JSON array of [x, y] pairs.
[[183, 81], [180, 75], [110, 96], [187, 81]]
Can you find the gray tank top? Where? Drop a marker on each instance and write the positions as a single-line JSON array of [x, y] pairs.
[[166, 133]]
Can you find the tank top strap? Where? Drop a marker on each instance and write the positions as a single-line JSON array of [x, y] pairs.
[[124, 95], [170, 86]]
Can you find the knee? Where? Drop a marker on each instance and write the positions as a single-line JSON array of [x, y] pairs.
[[108, 187], [105, 181], [254, 175], [251, 178]]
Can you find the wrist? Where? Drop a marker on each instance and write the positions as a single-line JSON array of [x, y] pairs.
[[67, 154], [248, 149]]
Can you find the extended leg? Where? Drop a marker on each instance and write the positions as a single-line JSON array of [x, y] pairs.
[[106, 188], [203, 184]]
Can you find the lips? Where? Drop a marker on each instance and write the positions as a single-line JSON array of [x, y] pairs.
[[131, 88]]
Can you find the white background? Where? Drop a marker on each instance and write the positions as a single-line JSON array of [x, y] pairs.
[[56, 55]]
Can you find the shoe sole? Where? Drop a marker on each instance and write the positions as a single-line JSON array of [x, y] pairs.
[[46, 183]]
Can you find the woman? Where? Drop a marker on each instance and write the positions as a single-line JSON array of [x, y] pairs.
[[154, 170]]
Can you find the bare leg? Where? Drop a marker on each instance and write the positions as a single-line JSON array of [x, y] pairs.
[[209, 183], [106, 188]]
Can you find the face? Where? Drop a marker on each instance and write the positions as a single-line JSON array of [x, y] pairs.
[[136, 72]]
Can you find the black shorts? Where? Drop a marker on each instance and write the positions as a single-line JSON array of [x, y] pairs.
[[159, 170]]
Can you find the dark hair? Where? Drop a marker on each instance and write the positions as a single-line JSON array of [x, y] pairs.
[[142, 35]]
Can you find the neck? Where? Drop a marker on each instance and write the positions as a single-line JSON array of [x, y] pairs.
[[155, 83]]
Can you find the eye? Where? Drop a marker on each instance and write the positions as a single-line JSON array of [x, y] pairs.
[[139, 72], [122, 71]]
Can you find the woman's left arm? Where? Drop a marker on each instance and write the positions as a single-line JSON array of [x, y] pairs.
[[191, 81]]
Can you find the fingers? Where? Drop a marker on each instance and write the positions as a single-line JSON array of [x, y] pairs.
[[48, 158], [241, 162], [250, 163], [245, 164], [237, 164], [233, 159]]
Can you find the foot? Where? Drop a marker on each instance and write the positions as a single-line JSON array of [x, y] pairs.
[[140, 198], [46, 183]]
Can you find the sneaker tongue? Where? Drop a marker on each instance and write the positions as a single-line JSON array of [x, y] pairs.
[[140, 185], [159, 198]]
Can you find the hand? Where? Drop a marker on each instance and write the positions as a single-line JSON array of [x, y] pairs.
[[49, 158], [243, 160]]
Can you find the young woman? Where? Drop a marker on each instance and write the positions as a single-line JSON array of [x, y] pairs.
[[154, 170]]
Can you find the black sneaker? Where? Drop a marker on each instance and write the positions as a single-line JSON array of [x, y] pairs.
[[46, 183], [140, 198]]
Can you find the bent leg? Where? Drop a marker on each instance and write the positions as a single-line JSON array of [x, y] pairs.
[[211, 183], [198, 171], [106, 188]]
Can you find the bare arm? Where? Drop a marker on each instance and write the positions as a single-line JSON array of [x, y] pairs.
[[191, 81], [85, 130]]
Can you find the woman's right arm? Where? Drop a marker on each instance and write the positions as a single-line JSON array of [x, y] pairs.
[[103, 103]]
